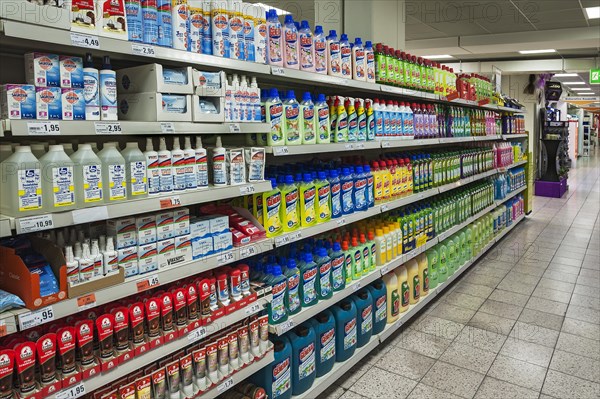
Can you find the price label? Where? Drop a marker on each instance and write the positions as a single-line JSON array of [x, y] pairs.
[[411, 254], [34, 223], [356, 286], [278, 151], [278, 71], [197, 334], [421, 195], [341, 222], [108, 127], [226, 257], [86, 302], [43, 128], [284, 240], [359, 146], [83, 40], [254, 308], [248, 251], [386, 144], [235, 128], [72, 392], [143, 50], [36, 317], [384, 208], [286, 326], [384, 270], [147, 283], [225, 385], [171, 202], [348, 146], [167, 127], [245, 190]]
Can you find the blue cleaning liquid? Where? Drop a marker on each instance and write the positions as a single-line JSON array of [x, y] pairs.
[[379, 295], [338, 272], [309, 281], [364, 321], [325, 277], [303, 358], [277, 377], [133, 9], [277, 309], [370, 186], [360, 190], [324, 327], [347, 191], [345, 329], [336, 193], [293, 279]]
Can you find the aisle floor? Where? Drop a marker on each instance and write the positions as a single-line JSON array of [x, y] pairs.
[[523, 322]]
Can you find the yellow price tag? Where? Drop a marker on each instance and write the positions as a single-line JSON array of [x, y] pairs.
[[421, 240]]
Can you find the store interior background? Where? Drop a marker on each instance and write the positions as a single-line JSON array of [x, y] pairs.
[[484, 37]]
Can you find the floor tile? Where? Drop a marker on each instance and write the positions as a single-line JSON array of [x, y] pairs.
[[527, 351], [589, 281], [425, 344], [587, 291], [546, 306], [556, 285], [351, 395], [493, 323], [492, 388], [584, 314], [378, 383], [354, 374], [557, 267], [562, 385], [509, 297], [422, 391], [519, 288], [579, 345], [463, 300], [566, 261], [481, 291], [439, 327], [585, 301], [560, 276], [576, 365], [334, 391], [551, 294], [581, 328], [518, 372], [481, 338], [453, 313], [534, 333], [482, 279], [468, 357], [453, 379], [406, 363], [501, 309]]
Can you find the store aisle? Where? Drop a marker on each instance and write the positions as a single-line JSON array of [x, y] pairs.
[[524, 322]]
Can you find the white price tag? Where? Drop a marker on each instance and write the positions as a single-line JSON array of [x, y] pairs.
[[278, 71], [385, 144], [286, 326], [34, 223], [384, 270], [72, 392], [278, 151], [225, 385], [356, 286], [384, 208], [246, 252], [282, 240], [167, 127], [197, 334], [43, 128], [245, 190], [108, 127], [83, 40], [143, 49], [348, 146], [359, 146], [254, 308], [235, 128], [36, 318], [226, 257], [341, 222]]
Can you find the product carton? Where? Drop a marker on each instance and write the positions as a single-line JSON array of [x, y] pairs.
[[166, 251], [146, 228], [164, 225], [71, 72], [113, 19], [17, 102], [48, 103], [42, 69], [155, 107], [181, 220], [73, 104], [202, 109], [183, 247], [124, 229], [209, 84], [202, 247], [147, 258], [84, 16], [128, 260], [222, 242], [199, 228], [155, 78]]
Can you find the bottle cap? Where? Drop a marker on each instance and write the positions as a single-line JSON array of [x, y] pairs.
[[304, 25], [291, 95], [273, 183], [106, 62], [368, 44], [318, 30], [358, 41], [344, 37], [306, 96], [289, 19], [321, 98], [89, 61], [273, 93]]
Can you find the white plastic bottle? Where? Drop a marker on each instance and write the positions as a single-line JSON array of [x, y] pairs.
[[275, 39], [260, 35], [334, 62], [358, 60], [236, 97], [58, 185], [152, 169], [308, 130], [110, 257], [244, 99], [91, 89], [165, 167], [201, 164], [236, 30], [219, 17], [290, 42], [180, 20], [250, 18], [22, 186], [86, 264], [113, 173], [191, 182], [135, 167], [108, 91], [307, 50], [88, 176], [255, 100], [369, 62], [345, 57], [72, 266], [320, 50], [96, 256], [219, 165], [178, 162]]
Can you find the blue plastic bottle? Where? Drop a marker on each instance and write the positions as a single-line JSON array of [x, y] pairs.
[[277, 377], [379, 295], [364, 321], [278, 307], [361, 200], [324, 326], [370, 186], [325, 284], [347, 191], [309, 281], [293, 290], [338, 271], [345, 329], [336, 193], [303, 358]]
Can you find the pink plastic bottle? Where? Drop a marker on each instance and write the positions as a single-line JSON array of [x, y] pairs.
[[275, 42], [291, 54]]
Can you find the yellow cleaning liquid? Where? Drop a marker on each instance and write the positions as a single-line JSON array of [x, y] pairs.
[[257, 206], [308, 195], [272, 211], [403, 288], [412, 268], [290, 216], [393, 300], [378, 184], [423, 273]]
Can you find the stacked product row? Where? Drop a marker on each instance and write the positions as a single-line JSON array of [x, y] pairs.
[[508, 182]]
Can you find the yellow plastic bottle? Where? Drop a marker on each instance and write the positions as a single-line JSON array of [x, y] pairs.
[[393, 182], [399, 230], [381, 254], [412, 268], [257, 206], [388, 243], [387, 181], [399, 174], [403, 288], [272, 211], [377, 182], [308, 195], [290, 216], [393, 299], [423, 273], [394, 235]]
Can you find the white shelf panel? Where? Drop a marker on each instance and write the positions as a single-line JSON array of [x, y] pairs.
[[511, 195], [280, 151], [514, 136], [410, 93], [313, 78]]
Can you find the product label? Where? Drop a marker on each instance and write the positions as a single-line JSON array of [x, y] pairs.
[[292, 123], [370, 69], [275, 53], [306, 53], [278, 310], [367, 320], [325, 280], [275, 116], [29, 189], [309, 204], [327, 345], [337, 272], [360, 63], [294, 293], [336, 204], [272, 219], [425, 280], [380, 309], [395, 305], [292, 219], [291, 48], [306, 367], [348, 267], [138, 178], [309, 290], [282, 379], [334, 57], [405, 292], [347, 197], [201, 169], [116, 181], [357, 265], [63, 186], [360, 194], [350, 334], [308, 122], [324, 211]]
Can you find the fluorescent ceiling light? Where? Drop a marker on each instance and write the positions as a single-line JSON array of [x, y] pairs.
[[438, 57], [593, 12], [267, 7], [586, 94], [564, 75], [573, 83], [584, 88], [537, 51]]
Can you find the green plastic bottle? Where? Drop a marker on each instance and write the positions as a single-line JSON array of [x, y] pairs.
[[274, 117], [443, 263], [366, 255], [357, 259], [348, 259], [341, 123], [451, 256], [469, 238], [432, 261], [290, 213], [323, 204], [462, 237], [308, 196], [272, 210]]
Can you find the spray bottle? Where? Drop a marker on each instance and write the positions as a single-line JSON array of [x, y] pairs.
[[219, 164], [108, 91], [91, 91], [165, 167], [189, 154]]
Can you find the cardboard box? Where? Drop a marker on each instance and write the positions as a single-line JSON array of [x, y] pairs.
[[164, 225], [183, 246], [199, 227], [199, 114], [181, 222], [155, 78], [73, 104], [209, 84], [84, 17], [147, 258], [155, 107], [128, 260], [202, 247], [42, 69], [17, 102], [222, 242], [48, 103], [124, 229], [166, 250], [146, 229], [112, 19], [71, 72]]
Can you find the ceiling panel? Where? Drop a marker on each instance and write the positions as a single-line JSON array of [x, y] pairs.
[[590, 3]]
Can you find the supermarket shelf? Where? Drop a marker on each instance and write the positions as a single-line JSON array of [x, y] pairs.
[[511, 195], [514, 136], [400, 91], [507, 109], [318, 79], [124, 128], [321, 148], [514, 165], [153, 355], [136, 207]]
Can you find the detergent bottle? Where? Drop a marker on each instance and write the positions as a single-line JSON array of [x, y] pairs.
[[348, 258], [324, 265], [277, 309], [290, 216], [347, 192], [308, 196], [414, 283], [320, 50], [57, 178], [324, 327], [432, 263], [379, 295], [361, 120], [323, 198], [308, 281], [360, 190], [336, 194], [275, 49], [352, 120], [291, 125], [345, 57], [372, 244], [357, 259], [277, 377], [443, 262], [322, 123], [338, 272], [423, 273], [366, 255], [290, 39], [88, 176], [293, 290], [274, 117], [345, 327], [307, 51], [370, 119], [364, 316], [308, 130], [334, 62], [271, 201], [451, 262], [403, 288], [358, 60], [392, 297], [303, 358], [341, 122]]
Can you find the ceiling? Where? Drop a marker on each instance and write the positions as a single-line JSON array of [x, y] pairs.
[[575, 89]]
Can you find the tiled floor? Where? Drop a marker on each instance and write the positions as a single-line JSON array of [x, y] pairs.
[[523, 323]]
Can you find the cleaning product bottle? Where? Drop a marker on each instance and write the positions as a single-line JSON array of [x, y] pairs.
[[323, 211], [352, 120], [165, 167], [334, 62], [91, 89], [303, 358], [360, 190], [277, 377], [451, 256], [323, 262], [345, 325], [289, 207], [369, 62], [403, 288], [165, 22], [357, 259], [271, 201], [345, 57], [379, 295], [358, 60], [293, 289], [308, 281], [191, 179], [292, 120], [336, 194], [338, 272], [381, 244], [320, 50], [348, 261], [308, 196], [432, 263], [392, 297], [58, 186], [108, 91], [275, 49], [347, 192], [277, 309], [307, 52], [113, 173], [135, 167], [290, 41], [361, 119], [219, 164], [443, 262], [322, 123], [366, 255], [341, 122], [308, 131], [364, 312], [152, 168], [201, 168], [87, 173], [323, 325], [422, 261], [274, 117]]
